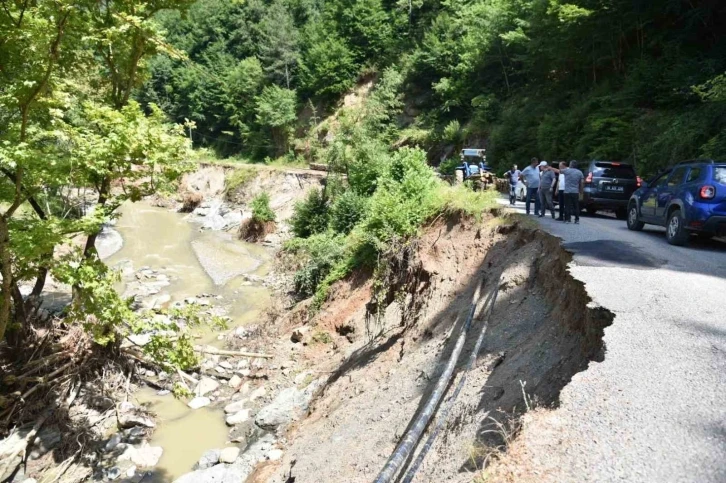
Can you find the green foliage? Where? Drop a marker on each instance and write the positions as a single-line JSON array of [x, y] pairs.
[[322, 337], [347, 210], [310, 216], [69, 125], [448, 166], [239, 178], [328, 69], [452, 133], [317, 255], [278, 43], [98, 305], [464, 201], [405, 198], [276, 107], [261, 210]]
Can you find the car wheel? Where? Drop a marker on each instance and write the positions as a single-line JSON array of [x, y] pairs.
[[634, 223], [621, 214], [676, 232], [591, 210]]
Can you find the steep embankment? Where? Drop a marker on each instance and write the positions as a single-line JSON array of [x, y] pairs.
[[542, 332], [219, 196]]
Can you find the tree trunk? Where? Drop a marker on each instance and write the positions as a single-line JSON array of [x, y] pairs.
[[90, 247], [7, 274]]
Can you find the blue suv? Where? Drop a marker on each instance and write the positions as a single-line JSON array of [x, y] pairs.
[[689, 198]]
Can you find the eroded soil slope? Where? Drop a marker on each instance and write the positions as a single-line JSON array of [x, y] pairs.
[[542, 332]]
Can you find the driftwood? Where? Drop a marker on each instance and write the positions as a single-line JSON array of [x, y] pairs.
[[22, 445], [220, 352]]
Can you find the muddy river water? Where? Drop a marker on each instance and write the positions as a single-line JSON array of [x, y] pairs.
[[197, 262]]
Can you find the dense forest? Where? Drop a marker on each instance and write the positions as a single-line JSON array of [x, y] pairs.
[[610, 79]]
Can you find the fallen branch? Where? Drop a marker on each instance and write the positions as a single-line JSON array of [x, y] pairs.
[[220, 352], [47, 379], [226, 377], [186, 376], [22, 445]]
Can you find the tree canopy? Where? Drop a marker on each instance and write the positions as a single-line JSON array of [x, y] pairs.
[[634, 81]]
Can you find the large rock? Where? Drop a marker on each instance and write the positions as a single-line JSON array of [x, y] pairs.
[[235, 382], [233, 218], [113, 441], [144, 456], [235, 407], [287, 407], [236, 472], [130, 416], [205, 386], [238, 417], [208, 459], [216, 474], [199, 402], [229, 455]]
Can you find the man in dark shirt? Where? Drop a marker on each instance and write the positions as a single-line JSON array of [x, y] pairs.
[[546, 183], [574, 187]]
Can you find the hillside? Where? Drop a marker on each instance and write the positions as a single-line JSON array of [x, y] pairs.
[[630, 81]]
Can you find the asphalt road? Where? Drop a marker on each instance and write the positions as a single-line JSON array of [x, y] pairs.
[[655, 409]]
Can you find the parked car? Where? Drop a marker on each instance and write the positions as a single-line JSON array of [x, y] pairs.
[[689, 198], [608, 186]]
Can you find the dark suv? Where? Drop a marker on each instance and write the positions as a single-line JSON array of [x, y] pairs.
[[608, 186], [689, 198]]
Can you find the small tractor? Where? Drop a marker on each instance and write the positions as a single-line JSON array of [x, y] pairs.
[[474, 168]]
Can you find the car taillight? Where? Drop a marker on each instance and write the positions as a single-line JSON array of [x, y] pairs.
[[707, 192], [589, 177], [639, 180]]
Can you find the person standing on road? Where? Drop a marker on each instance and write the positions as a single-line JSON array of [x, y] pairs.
[[561, 191], [574, 187], [546, 184], [513, 176], [530, 177]]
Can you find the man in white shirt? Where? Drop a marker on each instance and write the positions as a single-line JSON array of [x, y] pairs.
[[561, 191], [530, 177]]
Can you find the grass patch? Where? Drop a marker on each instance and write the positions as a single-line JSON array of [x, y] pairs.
[[461, 200], [322, 338], [238, 178]]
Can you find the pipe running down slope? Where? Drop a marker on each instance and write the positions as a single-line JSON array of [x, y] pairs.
[[443, 415], [410, 440]]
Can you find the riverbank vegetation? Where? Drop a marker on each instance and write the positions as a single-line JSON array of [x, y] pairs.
[[75, 146]]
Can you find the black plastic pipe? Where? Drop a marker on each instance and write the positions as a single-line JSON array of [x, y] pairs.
[[443, 415], [413, 435]]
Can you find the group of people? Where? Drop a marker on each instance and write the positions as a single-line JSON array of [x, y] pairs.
[[543, 182]]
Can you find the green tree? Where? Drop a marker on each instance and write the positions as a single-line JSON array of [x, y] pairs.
[[279, 47], [57, 56], [328, 68], [276, 109]]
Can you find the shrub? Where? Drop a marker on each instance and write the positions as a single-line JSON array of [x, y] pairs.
[[405, 198], [347, 211], [448, 166], [238, 178], [261, 210], [452, 133], [310, 216], [190, 201], [319, 254]]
